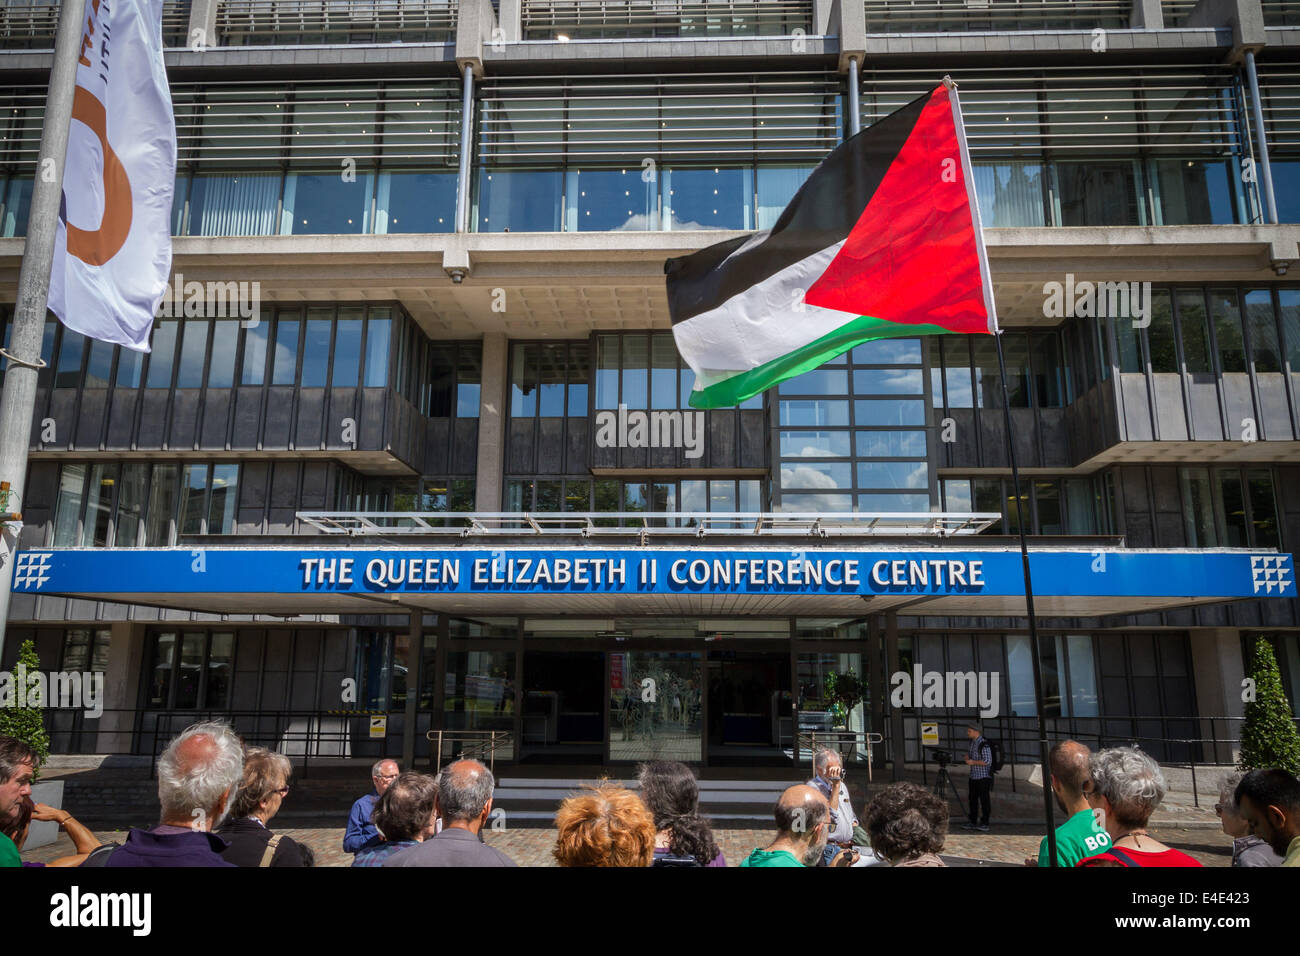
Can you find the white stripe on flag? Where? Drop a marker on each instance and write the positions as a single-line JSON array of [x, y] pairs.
[[760, 324]]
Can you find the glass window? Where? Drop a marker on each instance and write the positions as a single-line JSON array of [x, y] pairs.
[[722, 496], [989, 500], [520, 200], [636, 362], [611, 199], [821, 381], [1160, 334], [1081, 505], [1194, 324], [523, 380], [813, 413], [1289, 301], [316, 349], [324, 203], [817, 504], [816, 474], [893, 474], [1051, 381], [885, 504], [956, 495], [285, 364], [810, 444], [130, 363], [550, 384], [1083, 699], [225, 341], [1226, 315], [162, 505], [888, 352], [469, 379], [347, 349], [67, 512], [709, 198], [891, 381], [67, 372], [162, 353], [130, 504], [891, 444], [415, 202], [194, 347], [577, 495], [225, 493], [1198, 508], [1047, 497], [1010, 193], [99, 504], [1263, 508], [1098, 193], [377, 332], [579, 372], [253, 371], [1234, 509], [750, 496], [221, 660], [160, 682], [694, 496], [1263, 331], [891, 412], [957, 377], [1129, 337], [663, 373], [607, 371], [99, 367], [190, 671], [193, 493], [776, 186], [234, 204]]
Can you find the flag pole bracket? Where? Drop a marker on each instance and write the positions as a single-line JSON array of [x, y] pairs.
[[39, 364]]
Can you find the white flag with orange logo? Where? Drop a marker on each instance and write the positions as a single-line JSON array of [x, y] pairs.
[[113, 246]]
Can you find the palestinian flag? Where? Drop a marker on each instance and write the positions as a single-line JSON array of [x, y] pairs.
[[882, 240]]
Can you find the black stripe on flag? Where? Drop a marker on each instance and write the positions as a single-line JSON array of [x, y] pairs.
[[822, 213]]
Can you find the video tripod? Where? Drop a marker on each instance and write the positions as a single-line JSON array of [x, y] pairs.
[[943, 758]]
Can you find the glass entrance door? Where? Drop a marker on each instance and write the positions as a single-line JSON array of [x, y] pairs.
[[655, 705], [562, 714], [749, 706]]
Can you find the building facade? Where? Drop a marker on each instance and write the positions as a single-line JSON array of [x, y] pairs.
[[418, 254]]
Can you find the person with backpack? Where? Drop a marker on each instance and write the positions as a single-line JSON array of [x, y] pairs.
[[980, 760]]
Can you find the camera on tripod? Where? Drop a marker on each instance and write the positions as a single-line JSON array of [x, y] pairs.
[[941, 757]]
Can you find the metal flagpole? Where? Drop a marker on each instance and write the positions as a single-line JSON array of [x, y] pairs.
[[1044, 767], [18, 399]]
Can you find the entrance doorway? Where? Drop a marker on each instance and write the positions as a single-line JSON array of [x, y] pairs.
[[749, 707], [562, 713]]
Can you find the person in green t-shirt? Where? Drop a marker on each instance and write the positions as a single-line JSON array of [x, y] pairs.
[[1082, 834], [9, 853], [802, 819]]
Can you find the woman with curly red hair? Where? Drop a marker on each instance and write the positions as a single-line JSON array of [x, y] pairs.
[[604, 826]]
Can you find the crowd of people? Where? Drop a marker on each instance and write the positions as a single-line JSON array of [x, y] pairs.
[[218, 798]]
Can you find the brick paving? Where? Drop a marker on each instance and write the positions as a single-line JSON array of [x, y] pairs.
[[532, 847]]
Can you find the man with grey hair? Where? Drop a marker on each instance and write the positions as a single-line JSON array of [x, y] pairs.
[[361, 833], [464, 803], [828, 779], [198, 775], [1247, 848], [1129, 788]]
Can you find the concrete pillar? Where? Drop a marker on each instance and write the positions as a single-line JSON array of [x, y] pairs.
[[849, 22], [475, 23], [414, 654], [1218, 671], [1246, 18], [1147, 15], [121, 688], [203, 18], [491, 423], [510, 20]]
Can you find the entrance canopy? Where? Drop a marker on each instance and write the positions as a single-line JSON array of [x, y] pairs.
[[655, 570]]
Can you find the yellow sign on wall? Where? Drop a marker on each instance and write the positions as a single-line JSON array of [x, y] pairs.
[[378, 727], [929, 735]]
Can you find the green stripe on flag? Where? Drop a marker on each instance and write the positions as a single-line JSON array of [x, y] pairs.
[[734, 390]]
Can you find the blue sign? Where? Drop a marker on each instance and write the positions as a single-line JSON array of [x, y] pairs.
[[1183, 574]]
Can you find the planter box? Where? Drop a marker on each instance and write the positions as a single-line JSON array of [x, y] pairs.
[[45, 832]]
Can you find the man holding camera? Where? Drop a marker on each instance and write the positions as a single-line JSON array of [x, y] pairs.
[[980, 761], [829, 767]]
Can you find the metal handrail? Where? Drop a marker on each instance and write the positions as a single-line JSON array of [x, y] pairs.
[[861, 739], [646, 523], [485, 743]]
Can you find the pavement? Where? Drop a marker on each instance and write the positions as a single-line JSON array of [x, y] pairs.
[[1009, 843]]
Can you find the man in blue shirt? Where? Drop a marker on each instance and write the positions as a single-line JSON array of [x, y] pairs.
[[980, 761], [361, 833]]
